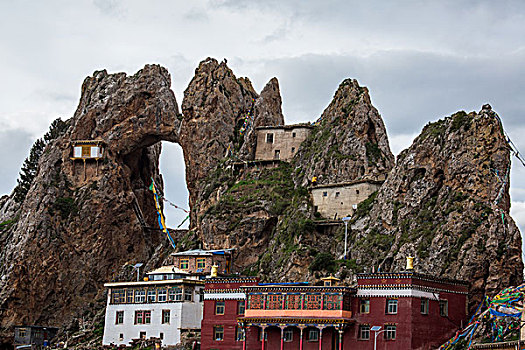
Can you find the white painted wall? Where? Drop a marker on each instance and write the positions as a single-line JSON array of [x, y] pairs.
[[182, 315]]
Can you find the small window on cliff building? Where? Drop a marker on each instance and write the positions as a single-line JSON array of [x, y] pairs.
[[337, 194], [277, 154], [293, 149], [293, 134], [269, 138], [325, 194]]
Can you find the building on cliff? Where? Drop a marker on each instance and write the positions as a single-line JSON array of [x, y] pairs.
[[408, 310], [339, 199], [280, 142], [199, 262]]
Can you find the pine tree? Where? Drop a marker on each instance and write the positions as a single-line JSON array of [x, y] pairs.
[[30, 166], [29, 170]]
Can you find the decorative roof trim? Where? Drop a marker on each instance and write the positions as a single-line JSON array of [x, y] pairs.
[[413, 275]]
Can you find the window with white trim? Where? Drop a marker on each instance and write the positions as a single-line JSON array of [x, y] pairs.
[[364, 332], [391, 306], [313, 335], [424, 306], [443, 308], [390, 332], [288, 335]]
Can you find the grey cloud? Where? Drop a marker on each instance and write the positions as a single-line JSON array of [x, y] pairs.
[[14, 148]]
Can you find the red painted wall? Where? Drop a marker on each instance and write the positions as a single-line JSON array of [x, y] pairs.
[[228, 320]]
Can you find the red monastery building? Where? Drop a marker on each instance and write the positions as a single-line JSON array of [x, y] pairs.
[[224, 302], [405, 310]]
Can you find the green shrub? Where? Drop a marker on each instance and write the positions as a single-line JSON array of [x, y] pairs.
[[324, 262]]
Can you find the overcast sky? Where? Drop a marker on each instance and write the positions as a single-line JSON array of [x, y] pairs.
[[421, 60]]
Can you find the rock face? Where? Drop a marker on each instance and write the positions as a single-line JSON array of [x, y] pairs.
[[447, 203], [266, 214], [77, 227], [216, 107], [351, 142]]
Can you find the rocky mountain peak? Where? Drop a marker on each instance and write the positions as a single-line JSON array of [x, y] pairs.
[[446, 202], [350, 141]]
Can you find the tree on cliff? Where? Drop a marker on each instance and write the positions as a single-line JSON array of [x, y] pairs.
[[30, 166]]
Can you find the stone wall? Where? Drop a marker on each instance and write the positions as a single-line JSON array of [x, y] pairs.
[[280, 142], [336, 201]]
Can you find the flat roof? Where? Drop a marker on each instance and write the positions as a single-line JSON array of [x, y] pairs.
[[147, 283], [204, 252], [410, 274], [167, 269], [347, 183], [285, 127], [86, 142]]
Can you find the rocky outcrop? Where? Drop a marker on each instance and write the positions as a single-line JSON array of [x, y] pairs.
[[267, 112], [446, 202], [350, 142], [77, 227], [216, 107]]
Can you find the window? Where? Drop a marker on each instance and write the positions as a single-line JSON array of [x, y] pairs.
[[293, 134], [293, 149], [313, 335], [142, 335], [332, 301], [22, 332], [219, 308], [364, 332], [364, 306], [239, 334], [163, 295], [325, 194], [240, 307], [188, 294], [184, 264], [277, 154], [161, 335], [288, 335], [118, 296], [391, 306], [390, 332], [337, 194], [201, 295], [356, 191], [274, 301], [121, 336], [140, 296], [178, 294], [269, 138], [119, 319], [172, 293], [218, 333], [165, 316], [313, 301], [424, 306], [129, 296], [443, 308], [152, 296], [142, 317], [293, 301], [201, 263]]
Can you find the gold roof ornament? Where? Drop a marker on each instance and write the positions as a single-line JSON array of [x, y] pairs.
[[330, 280], [410, 263], [214, 271]]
